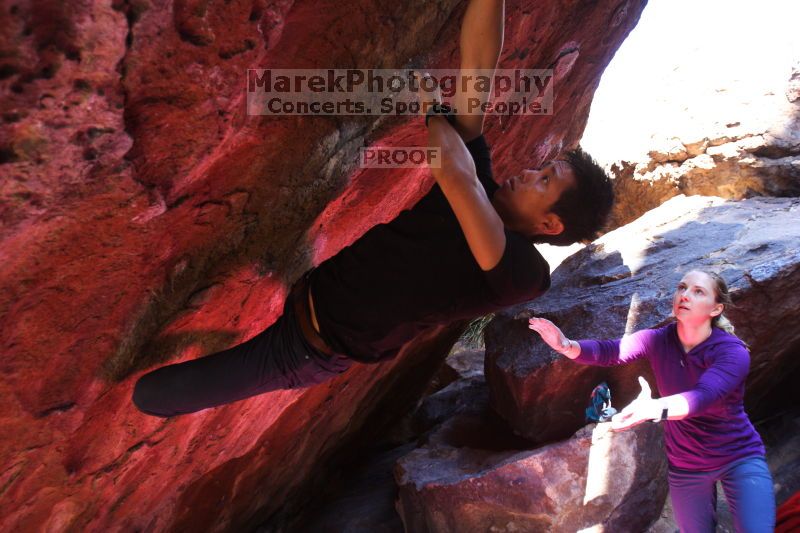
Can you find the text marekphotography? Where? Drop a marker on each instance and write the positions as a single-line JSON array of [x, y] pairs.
[[398, 92]]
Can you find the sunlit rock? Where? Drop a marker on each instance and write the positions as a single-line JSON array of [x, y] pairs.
[[469, 477]]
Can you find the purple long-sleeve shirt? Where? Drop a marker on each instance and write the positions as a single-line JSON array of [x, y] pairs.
[[710, 376]]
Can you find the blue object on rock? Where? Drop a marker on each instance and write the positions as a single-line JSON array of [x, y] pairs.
[[600, 409]]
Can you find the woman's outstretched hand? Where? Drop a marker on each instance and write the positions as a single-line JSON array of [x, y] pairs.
[[553, 336], [643, 409]]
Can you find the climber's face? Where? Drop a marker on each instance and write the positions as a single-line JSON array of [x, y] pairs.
[[695, 300], [525, 202]]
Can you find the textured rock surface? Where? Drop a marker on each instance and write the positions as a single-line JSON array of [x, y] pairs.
[[365, 499], [783, 453], [624, 282], [146, 218], [466, 363], [751, 148], [596, 478], [443, 404], [463, 361]]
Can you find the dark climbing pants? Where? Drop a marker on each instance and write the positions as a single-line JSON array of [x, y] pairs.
[[279, 357]]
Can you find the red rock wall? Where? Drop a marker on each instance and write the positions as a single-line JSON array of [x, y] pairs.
[[146, 218]]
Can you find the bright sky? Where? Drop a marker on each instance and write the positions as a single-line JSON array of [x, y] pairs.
[[690, 67]]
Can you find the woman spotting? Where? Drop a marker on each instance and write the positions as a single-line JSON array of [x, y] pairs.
[[700, 368]]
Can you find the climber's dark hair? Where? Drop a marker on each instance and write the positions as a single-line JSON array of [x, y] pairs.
[[584, 208]]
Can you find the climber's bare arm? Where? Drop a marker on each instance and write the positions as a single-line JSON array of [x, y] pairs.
[[481, 42], [482, 226]]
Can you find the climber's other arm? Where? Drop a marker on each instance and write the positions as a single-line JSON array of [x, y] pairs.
[[481, 42], [482, 226]]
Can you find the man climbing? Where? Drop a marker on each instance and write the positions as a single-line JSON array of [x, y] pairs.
[[464, 250]]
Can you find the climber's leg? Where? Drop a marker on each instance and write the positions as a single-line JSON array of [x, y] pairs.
[[279, 357]]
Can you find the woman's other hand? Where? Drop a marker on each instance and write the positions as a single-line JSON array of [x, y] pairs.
[[644, 408]]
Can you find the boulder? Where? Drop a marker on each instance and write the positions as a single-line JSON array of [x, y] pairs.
[[745, 143], [146, 219], [462, 362], [472, 476], [362, 500], [466, 363], [459, 396], [624, 282]]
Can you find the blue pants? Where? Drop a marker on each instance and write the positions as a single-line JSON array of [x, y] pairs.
[[748, 488], [280, 357]]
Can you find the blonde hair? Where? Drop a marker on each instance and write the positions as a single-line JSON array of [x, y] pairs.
[[721, 296], [723, 323]]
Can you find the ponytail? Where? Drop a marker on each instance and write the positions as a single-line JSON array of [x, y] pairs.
[[723, 296], [722, 322]]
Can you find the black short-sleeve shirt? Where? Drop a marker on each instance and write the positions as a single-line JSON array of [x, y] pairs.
[[417, 271]]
